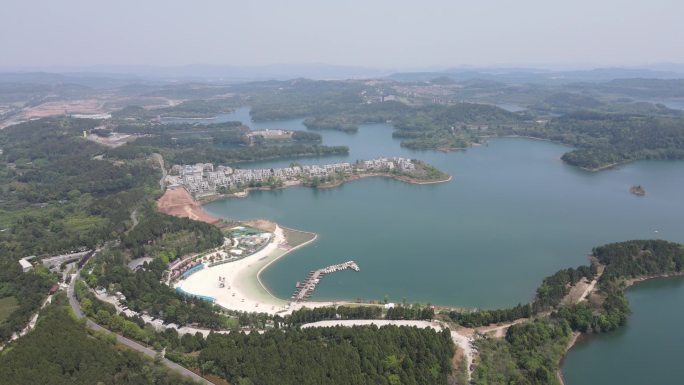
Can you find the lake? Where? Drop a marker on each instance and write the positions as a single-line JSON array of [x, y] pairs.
[[513, 214]]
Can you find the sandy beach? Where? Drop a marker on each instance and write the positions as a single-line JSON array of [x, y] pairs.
[[243, 289]]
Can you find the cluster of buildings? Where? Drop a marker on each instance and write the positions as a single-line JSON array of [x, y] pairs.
[[248, 241], [181, 267], [56, 263], [271, 134], [205, 178]]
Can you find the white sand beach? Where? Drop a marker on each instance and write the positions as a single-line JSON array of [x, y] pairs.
[[243, 289]]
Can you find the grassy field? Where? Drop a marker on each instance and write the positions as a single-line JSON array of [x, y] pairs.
[[296, 238], [7, 306]]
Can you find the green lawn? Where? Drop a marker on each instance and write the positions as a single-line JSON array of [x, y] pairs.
[[296, 238], [7, 306]]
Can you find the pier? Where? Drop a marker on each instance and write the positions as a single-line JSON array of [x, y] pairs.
[[306, 289]]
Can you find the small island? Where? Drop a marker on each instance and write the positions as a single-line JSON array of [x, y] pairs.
[[637, 190], [204, 181]]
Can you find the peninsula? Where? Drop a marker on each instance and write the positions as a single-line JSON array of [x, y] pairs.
[[204, 181]]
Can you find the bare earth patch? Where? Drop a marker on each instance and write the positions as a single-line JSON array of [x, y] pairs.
[[576, 292], [88, 106], [178, 202]]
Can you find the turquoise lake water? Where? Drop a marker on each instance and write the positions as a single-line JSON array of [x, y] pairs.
[[513, 214]]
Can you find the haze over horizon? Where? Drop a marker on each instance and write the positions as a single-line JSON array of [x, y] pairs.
[[382, 34]]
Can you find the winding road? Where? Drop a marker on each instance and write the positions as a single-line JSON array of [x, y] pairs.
[[128, 342], [160, 159]]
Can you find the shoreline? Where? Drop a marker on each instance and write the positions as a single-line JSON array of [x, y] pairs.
[[601, 168], [245, 291], [635, 281], [245, 193], [595, 169], [573, 340], [248, 289], [264, 267], [580, 337]]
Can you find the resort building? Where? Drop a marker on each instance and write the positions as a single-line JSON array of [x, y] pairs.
[[203, 178], [25, 264]]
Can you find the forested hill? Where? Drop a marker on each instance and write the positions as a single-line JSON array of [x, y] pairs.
[[605, 139], [452, 127], [640, 258], [531, 351], [433, 115], [220, 143], [56, 195], [60, 352]]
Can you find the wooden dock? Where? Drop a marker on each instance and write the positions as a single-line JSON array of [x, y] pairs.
[[306, 289]]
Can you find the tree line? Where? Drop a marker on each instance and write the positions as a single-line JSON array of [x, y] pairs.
[[358, 355], [549, 295]]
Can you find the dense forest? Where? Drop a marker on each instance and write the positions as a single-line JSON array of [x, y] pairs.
[[452, 127], [219, 143], [358, 355], [300, 98], [217, 155], [640, 258], [56, 195], [397, 312], [528, 355], [605, 139], [169, 237], [60, 351]]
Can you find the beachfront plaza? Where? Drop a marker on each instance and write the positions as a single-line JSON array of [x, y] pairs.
[[229, 276]]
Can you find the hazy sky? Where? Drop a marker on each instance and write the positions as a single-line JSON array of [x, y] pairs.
[[374, 33]]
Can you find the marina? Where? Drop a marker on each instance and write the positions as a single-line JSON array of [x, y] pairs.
[[306, 289]]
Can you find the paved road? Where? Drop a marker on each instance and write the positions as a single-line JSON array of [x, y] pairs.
[[160, 159], [125, 341]]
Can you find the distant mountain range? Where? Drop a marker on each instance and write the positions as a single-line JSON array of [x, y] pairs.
[[116, 76], [542, 76], [206, 73]]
